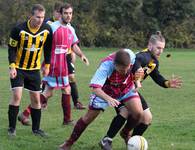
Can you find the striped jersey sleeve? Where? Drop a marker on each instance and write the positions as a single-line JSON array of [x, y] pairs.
[[102, 73]]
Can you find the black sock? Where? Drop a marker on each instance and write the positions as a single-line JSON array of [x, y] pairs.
[[74, 92], [36, 117], [140, 129], [12, 115], [115, 125]]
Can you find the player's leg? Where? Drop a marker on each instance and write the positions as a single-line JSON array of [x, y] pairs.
[[79, 128], [13, 109], [133, 106], [95, 106], [73, 84], [24, 116], [32, 83], [116, 124], [74, 93], [146, 120], [66, 106], [45, 95]]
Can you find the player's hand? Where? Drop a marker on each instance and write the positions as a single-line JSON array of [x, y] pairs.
[[139, 74], [113, 103], [12, 73], [175, 82], [45, 71], [85, 60]]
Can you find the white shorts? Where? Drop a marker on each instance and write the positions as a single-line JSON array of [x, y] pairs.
[[56, 82], [100, 104]]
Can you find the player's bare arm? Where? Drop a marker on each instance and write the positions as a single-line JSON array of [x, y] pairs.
[[138, 76], [79, 53], [100, 93]]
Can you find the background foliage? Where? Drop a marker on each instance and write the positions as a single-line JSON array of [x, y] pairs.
[[114, 23]]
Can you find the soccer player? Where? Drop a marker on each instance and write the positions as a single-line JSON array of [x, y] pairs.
[[111, 85], [70, 61], [148, 59], [64, 40], [26, 44], [24, 116]]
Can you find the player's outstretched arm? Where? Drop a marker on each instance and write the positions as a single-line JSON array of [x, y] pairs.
[[175, 82]]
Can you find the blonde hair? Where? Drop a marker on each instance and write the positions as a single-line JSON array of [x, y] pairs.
[[156, 37]]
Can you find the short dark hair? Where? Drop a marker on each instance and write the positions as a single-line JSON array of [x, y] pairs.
[[38, 7], [58, 5], [122, 58], [65, 6]]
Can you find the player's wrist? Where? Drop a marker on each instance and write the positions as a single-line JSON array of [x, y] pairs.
[[12, 66], [168, 84]]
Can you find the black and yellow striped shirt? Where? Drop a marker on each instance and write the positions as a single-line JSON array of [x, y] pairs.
[[150, 65], [26, 46]]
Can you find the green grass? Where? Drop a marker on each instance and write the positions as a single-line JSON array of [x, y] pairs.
[[173, 126]]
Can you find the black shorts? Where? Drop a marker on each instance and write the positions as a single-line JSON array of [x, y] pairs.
[[143, 101], [29, 79], [71, 69]]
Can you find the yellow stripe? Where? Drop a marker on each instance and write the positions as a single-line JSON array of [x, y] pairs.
[[44, 37], [26, 58], [38, 61], [20, 50], [12, 65], [35, 52], [142, 143], [145, 50]]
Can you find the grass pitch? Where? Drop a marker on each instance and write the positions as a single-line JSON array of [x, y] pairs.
[[173, 126]]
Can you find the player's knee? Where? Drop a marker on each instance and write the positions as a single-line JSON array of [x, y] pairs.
[[15, 99], [36, 102], [66, 90], [147, 118]]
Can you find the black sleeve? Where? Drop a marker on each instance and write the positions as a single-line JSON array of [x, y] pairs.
[[158, 78], [13, 44], [138, 63], [47, 47]]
